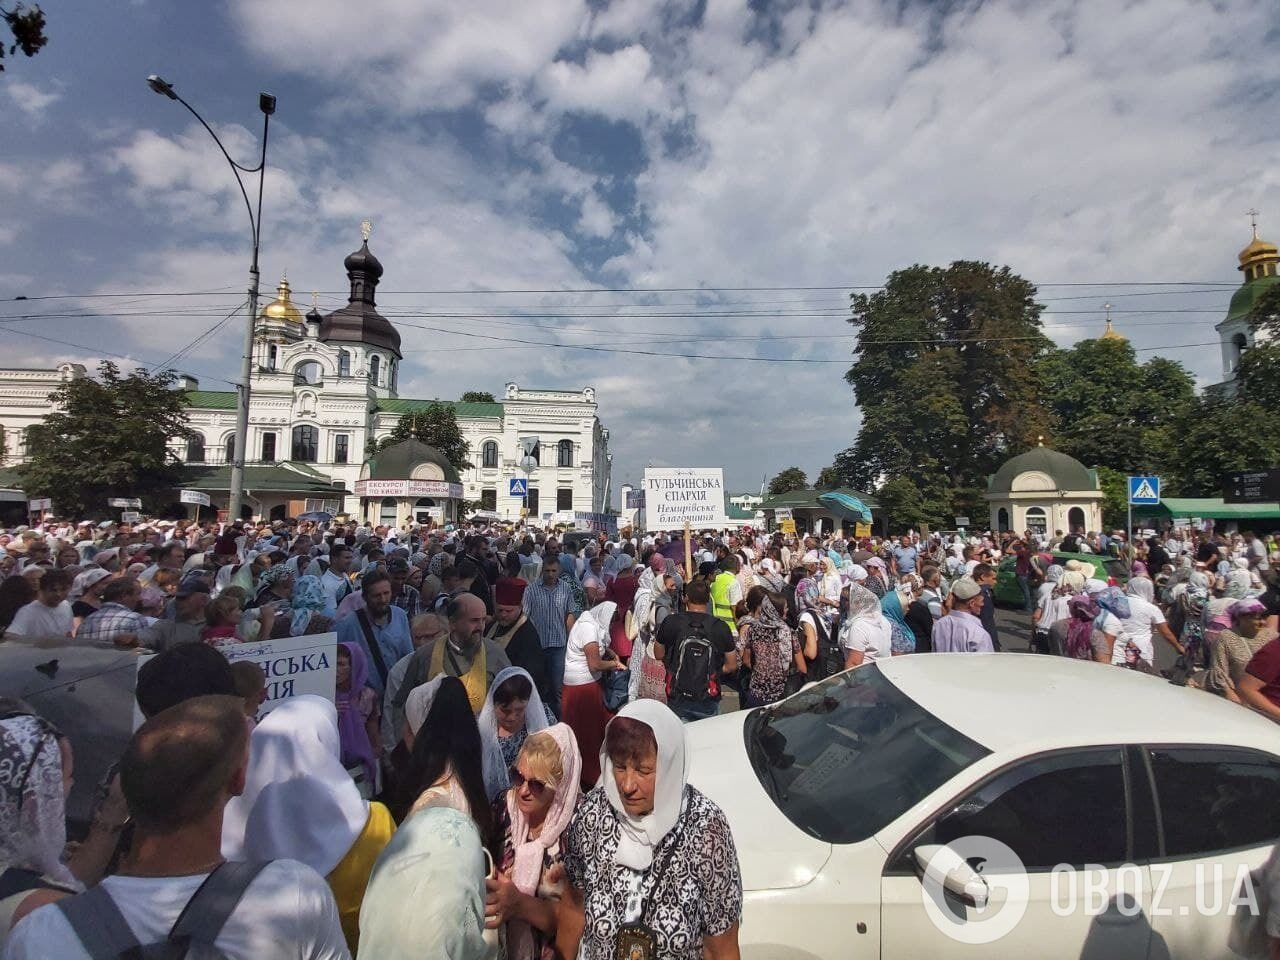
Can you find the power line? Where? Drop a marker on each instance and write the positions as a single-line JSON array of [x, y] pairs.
[[204, 336], [99, 350]]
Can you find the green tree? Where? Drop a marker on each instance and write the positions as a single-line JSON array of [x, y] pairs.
[[1115, 497], [109, 438], [828, 479], [436, 426], [27, 27], [477, 396], [945, 374], [1109, 410], [903, 505], [792, 478]]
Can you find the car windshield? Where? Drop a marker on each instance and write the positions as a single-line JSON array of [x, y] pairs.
[[847, 756]]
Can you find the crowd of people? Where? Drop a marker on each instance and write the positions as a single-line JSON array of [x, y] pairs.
[[501, 770]]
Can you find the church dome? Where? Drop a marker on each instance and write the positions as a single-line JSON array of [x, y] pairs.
[[282, 308], [362, 261], [400, 460], [1066, 472], [359, 321], [1110, 333], [1258, 249]]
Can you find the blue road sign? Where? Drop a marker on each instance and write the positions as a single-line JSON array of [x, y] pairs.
[[519, 487], [1144, 491]]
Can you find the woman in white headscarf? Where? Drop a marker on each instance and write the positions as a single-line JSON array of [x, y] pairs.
[[512, 710], [639, 845], [426, 892], [587, 656], [299, 803]]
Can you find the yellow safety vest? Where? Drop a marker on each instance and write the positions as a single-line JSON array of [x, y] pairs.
[[721, 608]]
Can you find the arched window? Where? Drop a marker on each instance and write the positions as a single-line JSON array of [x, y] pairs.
[[1002, 520], [489, 454], [195, 449], [273, 354], [230, 449], [387, 511], [305, 444], [1239, 344], [375, 369], [308, 372], [395, 370], [564, 453], [1037, 520], [344, 363]]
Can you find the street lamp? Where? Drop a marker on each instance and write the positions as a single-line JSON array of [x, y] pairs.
[[267, 104]]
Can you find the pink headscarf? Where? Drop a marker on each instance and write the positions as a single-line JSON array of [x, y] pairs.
[[526, 872]]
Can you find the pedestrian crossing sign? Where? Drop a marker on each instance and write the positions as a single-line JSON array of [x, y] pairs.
[[1144, 491], [519, 487]]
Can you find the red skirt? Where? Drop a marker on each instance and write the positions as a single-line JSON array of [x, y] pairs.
[[582, 708]]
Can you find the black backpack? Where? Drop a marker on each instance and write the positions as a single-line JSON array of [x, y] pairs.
[[830, 658], [693, 677], [105, 934]]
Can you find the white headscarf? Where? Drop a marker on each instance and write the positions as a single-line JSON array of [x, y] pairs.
[[535, 718], [298, 801], [641, 835], [596, 620], [426, 893], [85, 582], [418, 704], [33, 825]]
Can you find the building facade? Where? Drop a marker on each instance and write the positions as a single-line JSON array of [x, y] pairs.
[[1045, 491], [324, 391]]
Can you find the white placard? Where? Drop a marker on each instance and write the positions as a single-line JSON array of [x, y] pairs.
[[40, 504], [293, 665], [676, 495], [130, 516], [193, 496], [782, 513]]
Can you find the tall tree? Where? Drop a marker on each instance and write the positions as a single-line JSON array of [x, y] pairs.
[[1108, 410], [436, 426], [792, 478], [27, 28], [477, 396], [828, 479], [945, 374], [109, 437]]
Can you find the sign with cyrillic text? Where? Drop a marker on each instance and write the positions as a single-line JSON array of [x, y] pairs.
[[675, 496]]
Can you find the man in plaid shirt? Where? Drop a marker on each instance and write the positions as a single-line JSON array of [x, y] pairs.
[[403, 596], [115, 623]]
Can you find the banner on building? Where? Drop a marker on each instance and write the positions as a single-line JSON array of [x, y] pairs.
[[675, 496], [408, 488], [293, 666]]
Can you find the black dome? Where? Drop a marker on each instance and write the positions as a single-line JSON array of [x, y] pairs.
[[359, 321], [362, 261]]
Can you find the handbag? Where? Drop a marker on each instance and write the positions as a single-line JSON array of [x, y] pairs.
[[616, 686], [630, 627]]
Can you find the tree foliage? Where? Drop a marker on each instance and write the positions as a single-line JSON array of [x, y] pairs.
[[436, 426], [945, 373], [1107, 409], [828, 479], [792, 478], [109, 438], [27, 27], [477, 396]]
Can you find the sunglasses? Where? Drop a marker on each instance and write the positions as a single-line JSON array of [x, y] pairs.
[[518, 780]]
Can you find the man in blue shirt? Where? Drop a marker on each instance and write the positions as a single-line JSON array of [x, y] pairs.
[[381, 629], [551, 608], [904, 556]]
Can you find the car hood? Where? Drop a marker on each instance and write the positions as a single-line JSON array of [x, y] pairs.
[[773, 852]]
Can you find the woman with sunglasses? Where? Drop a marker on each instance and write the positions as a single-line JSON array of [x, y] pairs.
[[35, 779], [531, 816]]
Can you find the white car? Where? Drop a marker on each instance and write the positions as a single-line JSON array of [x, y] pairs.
[[1148, 799]]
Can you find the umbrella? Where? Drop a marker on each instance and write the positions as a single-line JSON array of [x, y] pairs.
[[316, 516], [845, 506]]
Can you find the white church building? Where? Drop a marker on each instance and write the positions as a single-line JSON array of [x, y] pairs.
[[323, 393]]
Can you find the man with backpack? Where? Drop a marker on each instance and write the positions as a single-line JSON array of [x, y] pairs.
[[173, 895], [697, 648]]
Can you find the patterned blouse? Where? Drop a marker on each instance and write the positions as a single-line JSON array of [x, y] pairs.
[[511, 745], [698, 894]]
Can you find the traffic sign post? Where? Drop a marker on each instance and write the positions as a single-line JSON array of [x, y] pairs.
[[1143, 491], [518, 487]]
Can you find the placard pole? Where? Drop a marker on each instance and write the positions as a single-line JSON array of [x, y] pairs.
[[688, 554]]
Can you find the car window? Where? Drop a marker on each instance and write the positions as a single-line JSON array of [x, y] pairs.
[[1065, 808], [847, 756], [1214, 799]]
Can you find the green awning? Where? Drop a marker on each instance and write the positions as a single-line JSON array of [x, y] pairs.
[[1208, 508]]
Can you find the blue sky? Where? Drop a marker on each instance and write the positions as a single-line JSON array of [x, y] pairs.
[[570, 146]]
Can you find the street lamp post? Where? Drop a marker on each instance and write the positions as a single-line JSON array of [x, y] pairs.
[[267, 104]]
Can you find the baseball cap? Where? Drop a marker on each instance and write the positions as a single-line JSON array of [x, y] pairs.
[[966, 588]]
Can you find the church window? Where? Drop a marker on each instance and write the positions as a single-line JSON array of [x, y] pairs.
[[308, 372], [1239, 344], [230, 449], [195, 449], [489, 499], [564, 453], [273, 354], [344, 363], [395, 369], [268, 448], [375, 369], [489, 454], [304, 444], [564, 498], [341, 444]]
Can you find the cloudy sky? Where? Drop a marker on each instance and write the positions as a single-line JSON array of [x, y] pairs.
[[685, 179]]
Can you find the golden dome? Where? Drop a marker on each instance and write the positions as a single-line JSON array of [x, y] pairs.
[[282, 308], [1111, 334], [1258, 249]]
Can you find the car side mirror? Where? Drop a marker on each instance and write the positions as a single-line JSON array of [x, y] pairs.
[[943, 865]]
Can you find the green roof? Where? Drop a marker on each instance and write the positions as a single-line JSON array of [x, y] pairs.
[[402, 405], [398, 461], [1243, 300], [1208, 508], [261, 478], [808, 499], [734, 512], [1065, 471], [211, 399]]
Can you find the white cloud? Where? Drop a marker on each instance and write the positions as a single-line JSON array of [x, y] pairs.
[[596, 218], [29, 98], [619, 85]]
